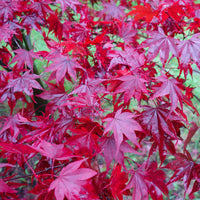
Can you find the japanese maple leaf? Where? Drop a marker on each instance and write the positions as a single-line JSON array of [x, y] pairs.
[[184, 168], [91, 87], [111, 10], [62, 65], [115, 185], [41, 7], [143, 12], [161, 126], [126, 32], [52, 150], [189, 50], [56, 94], [6, 10], [32, 20], [55, 25], [161, 44], [122, 124], [147, 180], [109, 149], [3, 186], [5, 33], [132, 86], [24, 57], [71, 180], [12, 124], [24, 83], [128, 57], [80, 32], [68, 3], [173, 88], [20, 149], [84, 141]]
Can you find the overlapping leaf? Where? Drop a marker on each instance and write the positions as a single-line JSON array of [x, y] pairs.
[[147, 180], [71, 180], [161, 44], [62, 65], [122, 124]]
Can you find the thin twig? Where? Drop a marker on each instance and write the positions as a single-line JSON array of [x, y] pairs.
[[40, 172]]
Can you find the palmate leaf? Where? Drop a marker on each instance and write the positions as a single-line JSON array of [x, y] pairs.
[[147, 180], [71, 180], [117, 186], [62, 65], [52, 150], [189, 52], [111, 10], [68, 3], [143, 12], [122, 124], [25, 83], [161, 44], [132, 86], [3, 186], [173, 88], [109, 150], [128, 57], [24, 57], [157, 123], [184, 169]]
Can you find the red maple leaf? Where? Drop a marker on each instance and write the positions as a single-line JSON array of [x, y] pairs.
[[126, 32], [117, 186], [128, 57], [143, 12], [189, 50], [11, 127], [68, 3], [147, 180], [173, 88], [161, 126], [5, 33], [24, 57], [71, 180], [161, 44], [184, 169], [132, 86], [3, 186], [109, 149], [52, 150], [62, 65], [111, 10], [122, 124], [24, 83], [6, 10]]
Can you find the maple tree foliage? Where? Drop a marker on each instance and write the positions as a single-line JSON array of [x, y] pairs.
[[92, 98]]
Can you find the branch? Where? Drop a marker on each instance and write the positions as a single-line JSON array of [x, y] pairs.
[[40, 172], [40, 104]]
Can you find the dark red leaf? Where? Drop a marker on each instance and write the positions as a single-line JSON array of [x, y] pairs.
[[147, 180]]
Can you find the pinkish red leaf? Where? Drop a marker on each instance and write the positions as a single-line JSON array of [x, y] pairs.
[[52, 150], [71, 180], [148, 180], [161, 44], [122, 124], [24, 57], [5, 188], [62, 65]]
